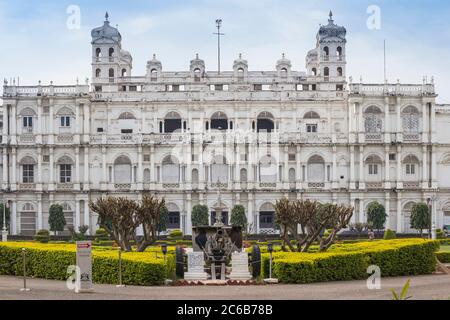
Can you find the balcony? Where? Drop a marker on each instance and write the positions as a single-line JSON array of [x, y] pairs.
[[122, 186], [64, 186], [374, 185], [411, 137], [411, 185], [64, 138], [27, 186], [27, 138], [316, 185], [374, 137]]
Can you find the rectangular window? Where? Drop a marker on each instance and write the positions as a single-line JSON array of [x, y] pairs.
[[410, 169], [174, 220], [27, 122], [99, 130], [266, 220], [292, 156], [311, 128], [314, 87], [146, 157], [373, 169], [392, 157], [65, 173], [28, 173], [65, 121], [257, 87]]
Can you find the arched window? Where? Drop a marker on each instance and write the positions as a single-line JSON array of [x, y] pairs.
[[326, 51], [373, 122], [284, 73], [311, 115], [195, 178], [240, 74], [407, 209], [197, 74], [170, 170], [265, 122], [172, 122], [174, 216], [339, 51], [122, 170], [219, 169], [219, 121], [124, 72], [316, 169], [68, 215], [111, 52], [373, 165], [28, 220], [326, 72], [292, 177], [111, 73], [267, 216], [28, 164], [410, 117], [314, 71], [153, 75], [268, 169], [126, 116], [65, 169], [243, 175], [147, 176], [339, 72], [98, 53], [98, 73], [411, 166]]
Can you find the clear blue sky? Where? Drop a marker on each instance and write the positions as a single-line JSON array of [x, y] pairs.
[[37, 45]]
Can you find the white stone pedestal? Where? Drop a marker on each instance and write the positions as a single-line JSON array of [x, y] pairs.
[[196, 267], [4, 235], [239, 266]]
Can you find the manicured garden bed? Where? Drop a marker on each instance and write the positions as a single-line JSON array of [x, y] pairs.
[[350, 261], [50, 261]]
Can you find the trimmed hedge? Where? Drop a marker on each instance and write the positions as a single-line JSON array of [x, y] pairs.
[[443, 256], [50, 261], [350, 261]]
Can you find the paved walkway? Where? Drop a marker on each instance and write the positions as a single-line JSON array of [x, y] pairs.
[[422, 287]]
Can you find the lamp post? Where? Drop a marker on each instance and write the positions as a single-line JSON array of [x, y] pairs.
[[432, 211], [164, 251], [270, 279]]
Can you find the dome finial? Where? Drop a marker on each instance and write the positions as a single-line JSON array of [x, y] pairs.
[[240, 55], [106, 16], [331, 16]]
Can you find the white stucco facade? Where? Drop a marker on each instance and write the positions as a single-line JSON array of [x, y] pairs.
[[257, 135]]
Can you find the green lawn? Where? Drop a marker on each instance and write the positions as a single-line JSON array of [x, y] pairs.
[[445, 249]]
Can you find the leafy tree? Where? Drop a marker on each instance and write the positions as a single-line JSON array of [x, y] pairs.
[[376, 215], [238, 217], [199, 216], [56, 219], [420, 217], [163, 219], [7, 214]]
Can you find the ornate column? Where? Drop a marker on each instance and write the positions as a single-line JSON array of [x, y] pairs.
[[13, 120], [399, 120], [86, 126], [251, 214], [399, 213], [424, 167], [434, 165], [335, 179], [104, 170], [353, 205], [362, 216], [51, 170], [39, 212], [140, 180], [299, 167], [39, 121], [39, 170], [87, 219], [77, 221], [51, 139], [152, 167], [13, 217], [388, 210], [387, 183], [352, 168], [433, 122], [387, 124], [188, 223], [77, 169], [86, 182], [399, 168], [362, 184], [5, 168], [425, 122], [13, 181]]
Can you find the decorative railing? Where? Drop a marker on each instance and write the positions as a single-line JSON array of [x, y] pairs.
[[267, 184], [374, 185], [64, 138], [27, 138], [64, 186], [373, 137], [171, 185], [27, 186], [219, 185], [411, 137], [122, 186], [411, 185], [316, 185]]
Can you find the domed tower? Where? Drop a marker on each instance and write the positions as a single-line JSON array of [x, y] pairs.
[[327, 60], [109, 60]]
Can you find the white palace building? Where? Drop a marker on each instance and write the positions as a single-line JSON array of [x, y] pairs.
[[255, 135]]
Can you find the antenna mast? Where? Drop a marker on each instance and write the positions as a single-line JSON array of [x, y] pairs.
[[385, 76], [218, 25]]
